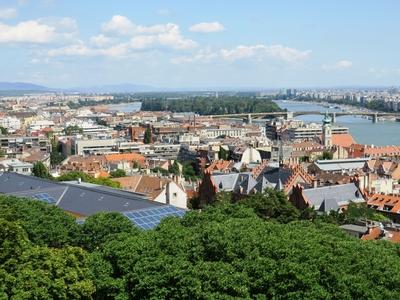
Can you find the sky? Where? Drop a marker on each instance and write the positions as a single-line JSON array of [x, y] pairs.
[[200, 44]]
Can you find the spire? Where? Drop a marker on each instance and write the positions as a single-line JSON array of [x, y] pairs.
[[327, 119], [279, 185]]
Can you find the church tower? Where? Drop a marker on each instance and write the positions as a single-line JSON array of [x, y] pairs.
[[327, 131]]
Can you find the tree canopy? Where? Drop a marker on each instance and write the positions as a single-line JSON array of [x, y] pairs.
[[212, 105], [237, 248]]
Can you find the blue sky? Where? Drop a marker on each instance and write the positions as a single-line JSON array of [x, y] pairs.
[[200, 44]]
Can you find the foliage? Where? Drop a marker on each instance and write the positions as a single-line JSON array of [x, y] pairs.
[[75, 175], [56, 157], [225, 253], [2, 153], [212, 105], [147, 136], [73, 129], [99, 227], [223, 154], [40, 170], [3, 130], [251, 248], [174, 168], [326, 155], [188, 171], [160, 170], [44, 224], [117, 173]]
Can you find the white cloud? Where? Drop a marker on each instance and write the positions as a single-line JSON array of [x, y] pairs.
[[146, 37], [41, 31], [120, 25], [80, 49], [259, 52], [207, 27], [27, 32], [8, 13], [340, 65], [100, 40]]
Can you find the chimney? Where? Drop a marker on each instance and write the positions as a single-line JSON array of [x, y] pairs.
[[79, 180]]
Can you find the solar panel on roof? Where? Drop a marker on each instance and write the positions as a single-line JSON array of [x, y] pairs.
[[45, 198], [150, 217]]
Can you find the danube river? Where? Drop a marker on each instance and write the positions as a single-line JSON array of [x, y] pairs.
[[363, 130]]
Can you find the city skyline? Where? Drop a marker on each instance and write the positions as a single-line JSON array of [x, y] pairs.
[[169, 44]]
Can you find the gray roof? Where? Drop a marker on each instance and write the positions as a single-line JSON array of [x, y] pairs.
[[234, 182], [273, 178], [325, 196], [341, 164], [83, 199], [354, 228]]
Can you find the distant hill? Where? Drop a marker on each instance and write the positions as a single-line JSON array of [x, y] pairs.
[[116, 88], [22, 86]]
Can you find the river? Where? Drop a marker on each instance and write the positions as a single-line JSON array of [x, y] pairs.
[[363, 130]]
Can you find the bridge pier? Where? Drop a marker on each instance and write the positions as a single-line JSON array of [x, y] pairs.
[[249, 119], [375, 118], [289, 115], [334, 117]]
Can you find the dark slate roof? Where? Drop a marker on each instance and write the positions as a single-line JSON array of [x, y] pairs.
[[235, 182], [341, 194], [275, 174], [82, 199], [328, 204]]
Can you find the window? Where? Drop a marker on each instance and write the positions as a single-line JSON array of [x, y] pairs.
[[174, 195]]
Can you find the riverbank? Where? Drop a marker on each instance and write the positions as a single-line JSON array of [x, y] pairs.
[[362, 129]]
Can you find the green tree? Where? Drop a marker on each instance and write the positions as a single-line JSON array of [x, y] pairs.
[[174, 168], [40, 170], [45, 225], [188, 171], [117, 173], [147, 136], [3, 130], [56, 157], [223, 154], [73, 129], [100, 227], [326, 155], [2, 153], [75, 175]]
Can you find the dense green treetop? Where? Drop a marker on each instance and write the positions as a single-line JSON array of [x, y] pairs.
[[75, 175], [236, 248], [212, 105]]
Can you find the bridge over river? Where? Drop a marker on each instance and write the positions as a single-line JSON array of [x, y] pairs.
[[288, 115]]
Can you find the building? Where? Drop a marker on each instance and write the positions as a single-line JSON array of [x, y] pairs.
[[12, 124], [327, 131], [310, 131], [93, 146], [84, 199], [17, 166], [162, 190], [349, 165], [326, 198]]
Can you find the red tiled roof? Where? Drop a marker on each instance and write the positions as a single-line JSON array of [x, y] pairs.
[[343, 140]]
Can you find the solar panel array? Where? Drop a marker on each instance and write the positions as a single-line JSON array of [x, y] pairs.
[[45, 198], [149, 218]]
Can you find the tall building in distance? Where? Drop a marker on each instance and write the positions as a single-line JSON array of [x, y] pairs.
[[327, 131]]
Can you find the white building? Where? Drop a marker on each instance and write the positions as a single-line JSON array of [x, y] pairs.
[[10, 123]]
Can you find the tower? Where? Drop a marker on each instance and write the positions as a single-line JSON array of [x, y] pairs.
[[327, 131]]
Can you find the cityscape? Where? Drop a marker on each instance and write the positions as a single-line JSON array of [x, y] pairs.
[[168, 151]]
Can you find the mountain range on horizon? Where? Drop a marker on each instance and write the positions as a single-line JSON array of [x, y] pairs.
[[20, 87], [109, 88]]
